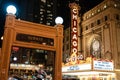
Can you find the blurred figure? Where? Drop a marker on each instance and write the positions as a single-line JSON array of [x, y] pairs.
[[41, 75], [17, 78], [14, 78]]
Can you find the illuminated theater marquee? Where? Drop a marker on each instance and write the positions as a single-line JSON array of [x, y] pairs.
[[74, 31], [74, 57]]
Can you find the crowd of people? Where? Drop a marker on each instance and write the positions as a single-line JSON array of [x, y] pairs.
[[39, 74]]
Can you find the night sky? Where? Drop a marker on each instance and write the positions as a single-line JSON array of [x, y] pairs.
[[88, 4], [84, 4], [64, 10]]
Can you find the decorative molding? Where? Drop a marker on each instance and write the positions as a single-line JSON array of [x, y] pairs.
[[118, 25], [108, 55], [106, 26]]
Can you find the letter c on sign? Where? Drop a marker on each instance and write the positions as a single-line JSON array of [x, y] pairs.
[[74, 10]]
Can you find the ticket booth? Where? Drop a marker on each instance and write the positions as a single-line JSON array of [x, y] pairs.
[[28, 46]]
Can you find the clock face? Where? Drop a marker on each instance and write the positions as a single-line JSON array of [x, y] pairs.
[[96, 45]]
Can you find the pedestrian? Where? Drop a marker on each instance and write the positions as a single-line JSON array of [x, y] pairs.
[[41, 75]]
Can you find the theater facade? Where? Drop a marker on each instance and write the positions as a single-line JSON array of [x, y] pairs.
[[93, 36]]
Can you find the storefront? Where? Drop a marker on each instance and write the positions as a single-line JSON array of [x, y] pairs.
[[90, 69]]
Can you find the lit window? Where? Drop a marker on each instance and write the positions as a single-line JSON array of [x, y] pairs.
[[44, 1], [48, 11], [115, 5], [49, 14], [98, 10], [41, 18], [105, 6], [92, 13], [48, 23], [49, 5], [41, 9], [41, 12]]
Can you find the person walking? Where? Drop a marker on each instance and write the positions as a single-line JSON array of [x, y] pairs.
[[41, 75]]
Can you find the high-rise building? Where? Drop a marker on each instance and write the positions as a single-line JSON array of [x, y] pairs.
[[39, 11]]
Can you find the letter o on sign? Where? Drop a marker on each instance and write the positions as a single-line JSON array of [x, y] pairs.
[[74, 50]]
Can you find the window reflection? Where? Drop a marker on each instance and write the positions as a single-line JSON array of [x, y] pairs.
[[26, 62]]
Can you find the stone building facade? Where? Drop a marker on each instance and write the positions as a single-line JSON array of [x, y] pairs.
[[99, 33]]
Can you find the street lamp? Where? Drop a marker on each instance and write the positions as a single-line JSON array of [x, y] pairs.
[[11, 9], [59, 20]]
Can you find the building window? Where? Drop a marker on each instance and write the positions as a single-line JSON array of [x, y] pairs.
[[92, 25], [117, 17], [105, 18], [98, 22], [86, 27]]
